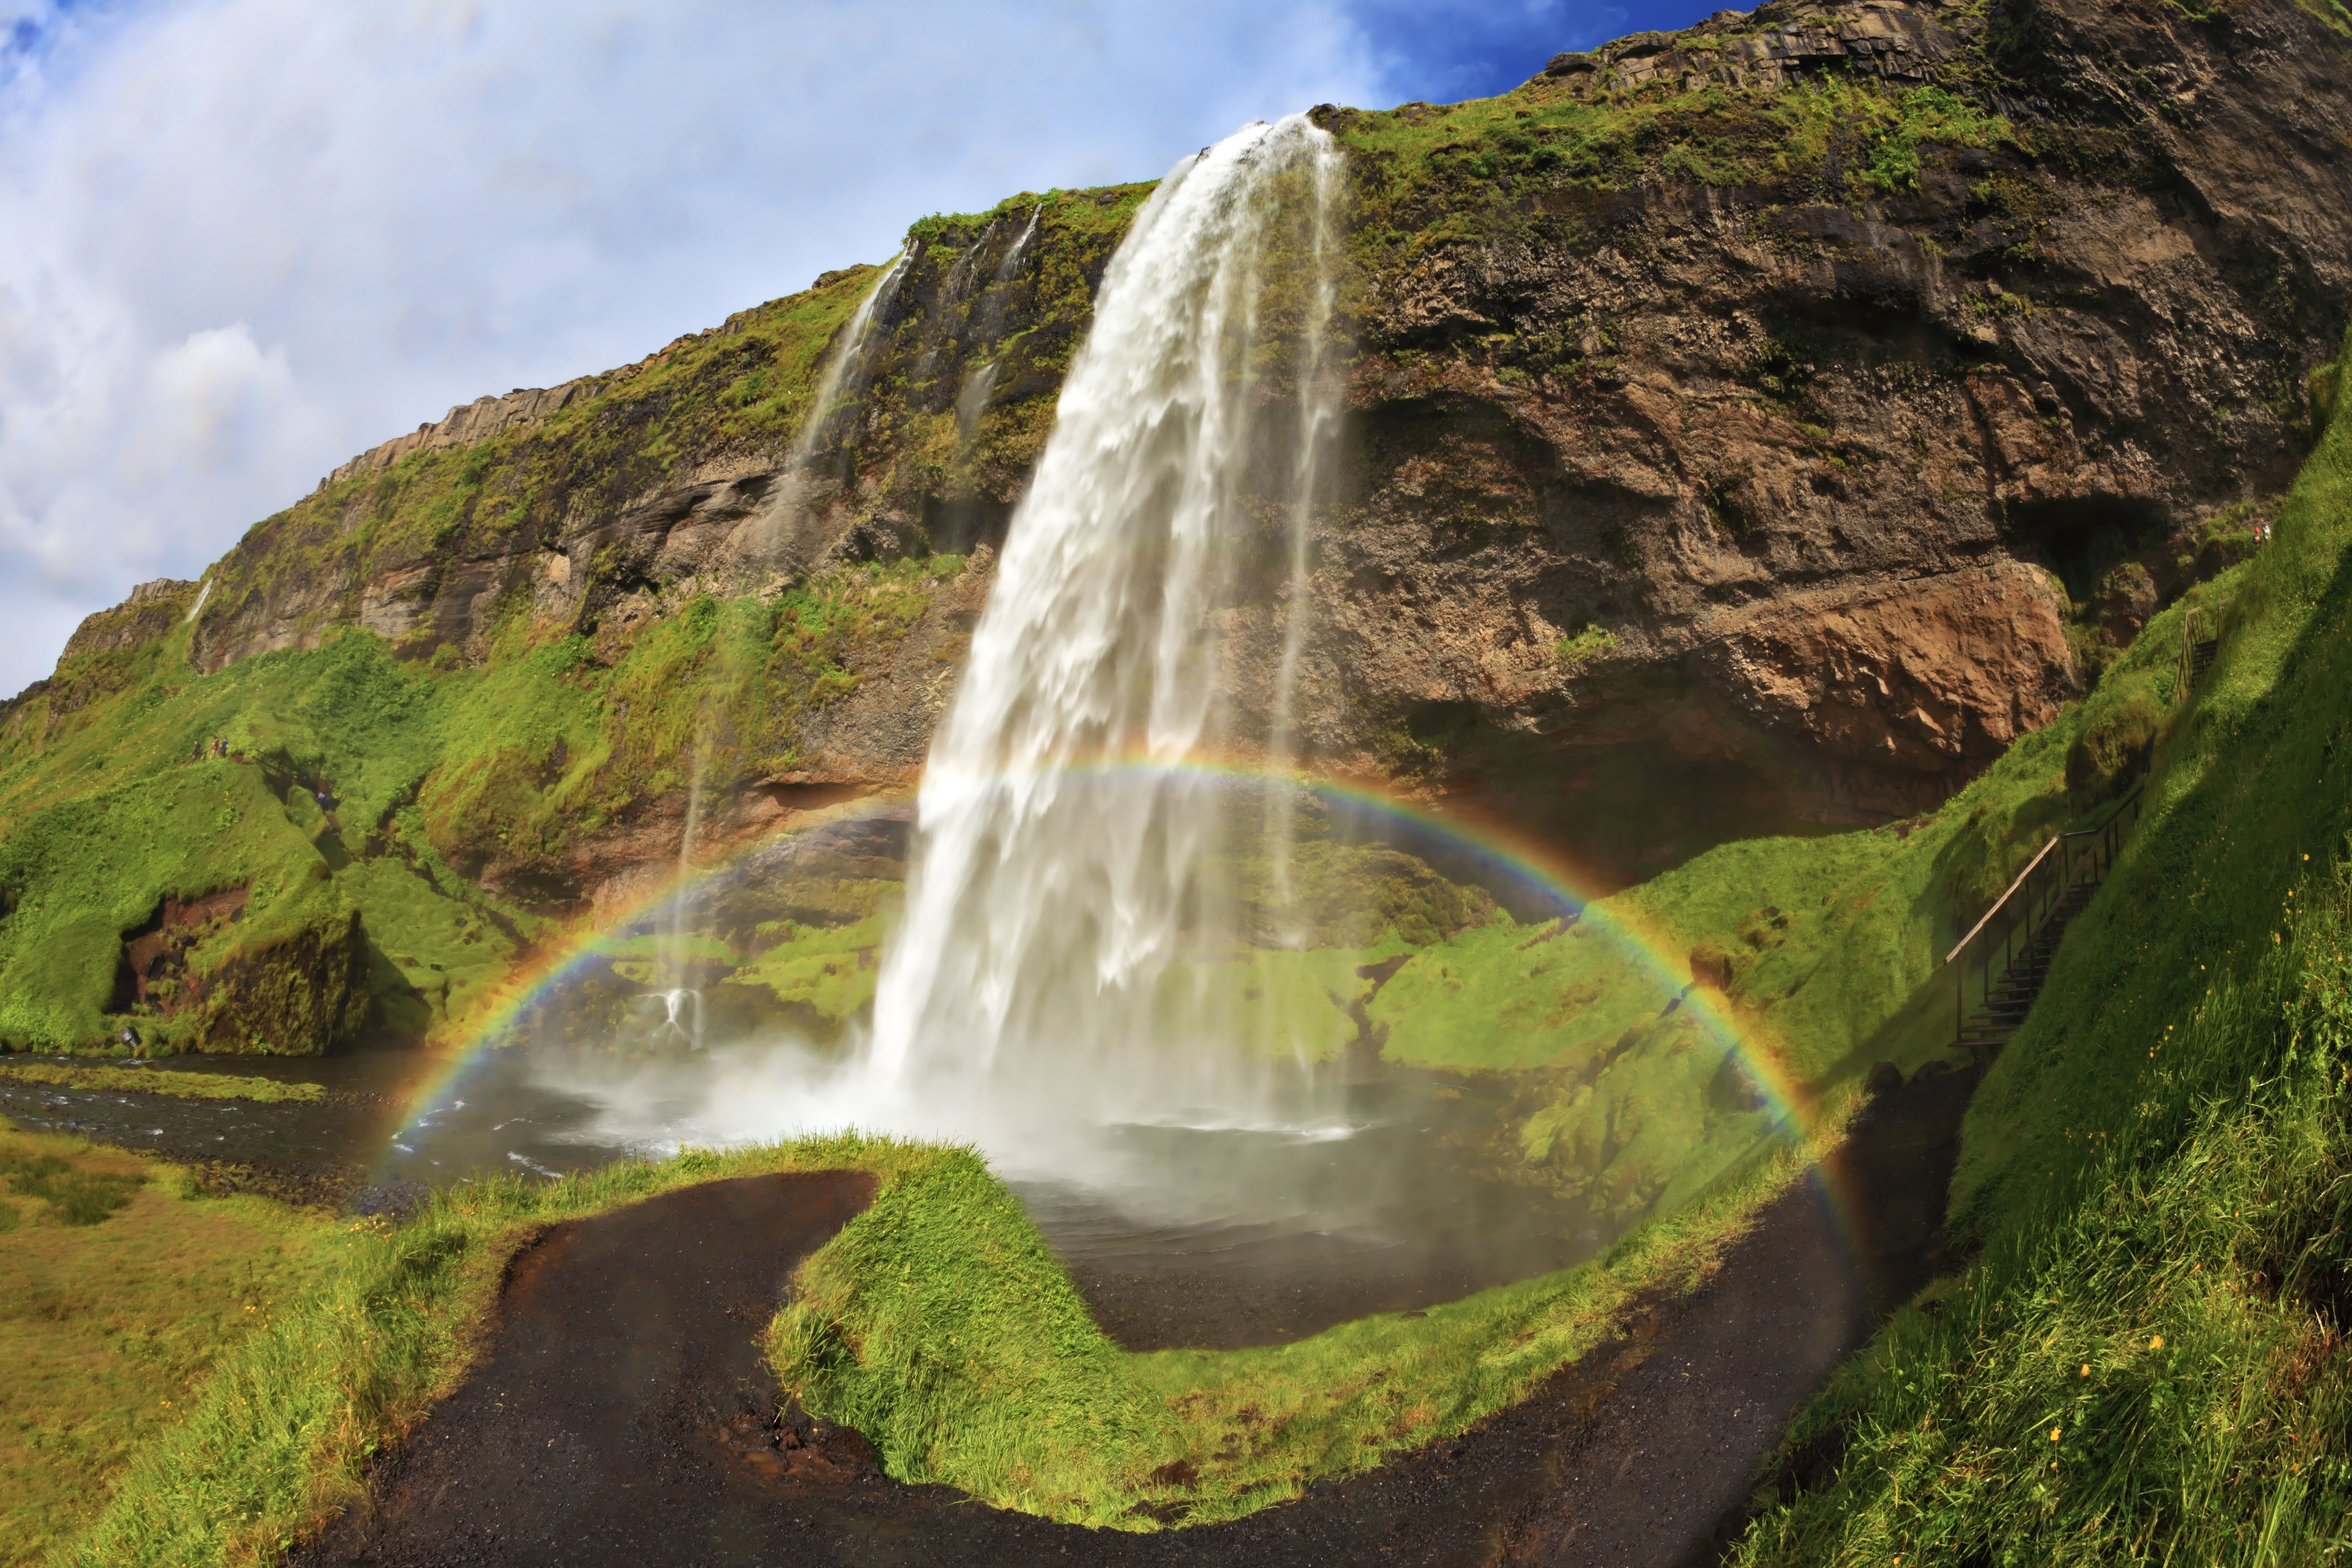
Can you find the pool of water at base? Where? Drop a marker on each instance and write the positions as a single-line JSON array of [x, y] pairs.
[[1200, 1236]]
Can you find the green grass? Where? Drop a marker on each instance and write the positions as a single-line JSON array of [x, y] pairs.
[[145, 1081], [1587, 644], [939, 1325], [830, 970], [333, 1373], [434, 775], [938, 1322], [76, 1195], [2160, 1153], [1808, 959], [115, 1311]]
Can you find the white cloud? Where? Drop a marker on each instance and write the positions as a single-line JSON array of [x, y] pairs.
[[216, 401], [247, 239]]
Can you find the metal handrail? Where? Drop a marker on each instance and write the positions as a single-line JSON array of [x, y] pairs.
[[2030, 866], [2045, 896], [2130, 797], [2113, 811]]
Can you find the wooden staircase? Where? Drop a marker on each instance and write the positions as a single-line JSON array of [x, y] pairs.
[[2010, 951]]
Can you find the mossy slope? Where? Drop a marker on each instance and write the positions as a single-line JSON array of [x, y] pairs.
[[2145, 1363], [430, 773]]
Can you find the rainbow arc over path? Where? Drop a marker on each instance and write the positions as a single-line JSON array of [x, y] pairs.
[[1495, 850]]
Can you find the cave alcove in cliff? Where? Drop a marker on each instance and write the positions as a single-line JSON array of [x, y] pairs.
[[2082, 537]]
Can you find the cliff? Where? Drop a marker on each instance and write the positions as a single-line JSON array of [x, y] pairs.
[[1751, 428]]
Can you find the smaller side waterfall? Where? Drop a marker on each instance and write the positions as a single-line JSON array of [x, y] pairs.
[[973, 401], [844, 376], [774, 539], [674, 947]]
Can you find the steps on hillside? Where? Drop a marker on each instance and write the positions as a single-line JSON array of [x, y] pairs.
[[2009, 994], [2023, 928]]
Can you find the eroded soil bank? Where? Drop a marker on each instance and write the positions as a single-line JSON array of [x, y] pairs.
[[622, 1415]]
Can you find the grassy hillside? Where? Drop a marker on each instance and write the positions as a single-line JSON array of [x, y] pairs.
[[124, 1293], [2145, 1363], [430, 769]]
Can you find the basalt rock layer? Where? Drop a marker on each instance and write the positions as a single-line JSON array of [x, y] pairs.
[[1750, 427], [1783, 353]]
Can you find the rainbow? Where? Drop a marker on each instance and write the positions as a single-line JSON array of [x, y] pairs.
[[1792, 1102], [548, 966]]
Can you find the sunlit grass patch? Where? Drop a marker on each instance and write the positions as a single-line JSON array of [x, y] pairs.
[[118, 1296], [147, 1080], [76, 1194], [2148, 1364], [831, 970], [2157, 1372], [379, 1322], [939, 1325]]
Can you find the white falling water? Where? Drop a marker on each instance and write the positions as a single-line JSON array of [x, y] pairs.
[[846, 372], [1068, 848], [773, 540], [972, 402], [673, 948]]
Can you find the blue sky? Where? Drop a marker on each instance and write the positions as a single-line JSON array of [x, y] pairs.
[[247, 238], [1446, 51]]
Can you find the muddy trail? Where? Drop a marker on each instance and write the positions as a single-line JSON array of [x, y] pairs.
[[622, 1417]]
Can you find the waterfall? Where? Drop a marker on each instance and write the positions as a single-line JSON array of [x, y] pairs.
[[674, 946], [775, 539], [973, 401], [1071, 850], [847, 372]]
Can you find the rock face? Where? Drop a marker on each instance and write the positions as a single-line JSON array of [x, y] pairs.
[[1747, 429], [1805, 457], [469, 423], [297, 993], [1745, 410]]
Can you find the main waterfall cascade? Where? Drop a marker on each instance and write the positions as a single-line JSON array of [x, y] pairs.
[[1086, 874], [1069, 846], [1118, 966]]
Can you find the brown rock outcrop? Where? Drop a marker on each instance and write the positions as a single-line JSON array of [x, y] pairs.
[[1769, 480]]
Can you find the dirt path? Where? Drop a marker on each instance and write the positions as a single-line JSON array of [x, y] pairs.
[[622, 1417]]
